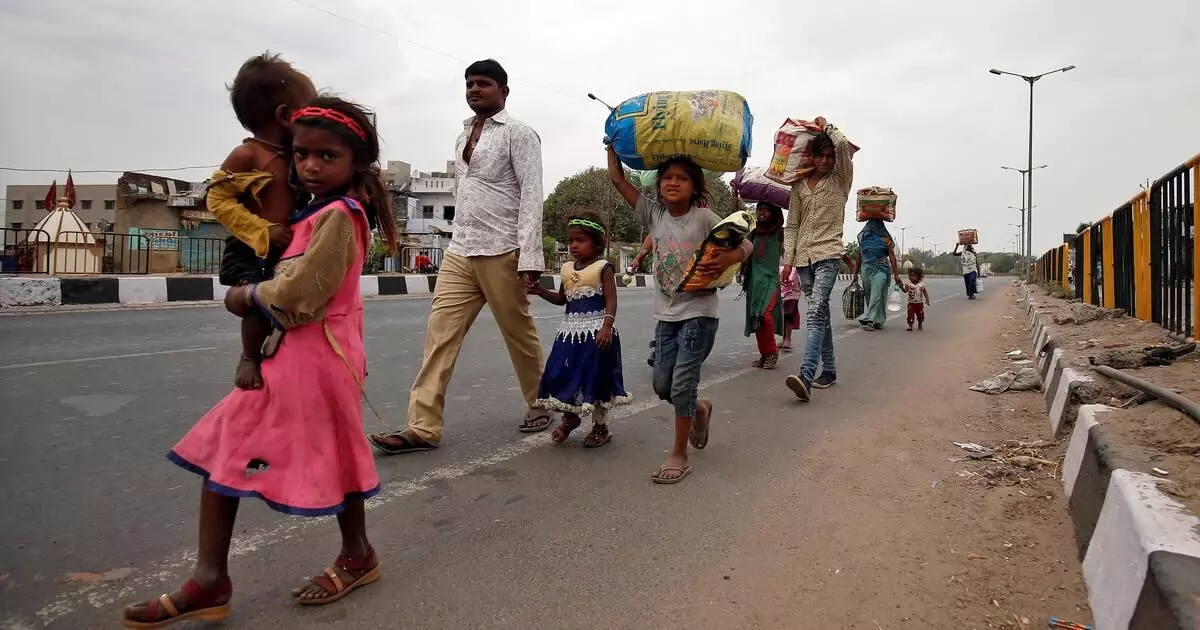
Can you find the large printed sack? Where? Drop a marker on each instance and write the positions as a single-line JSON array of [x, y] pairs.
[[752, 185], [968, 237], [712, 127], [854, 300], [649, 179], [724, 236], [876, 202], [792, 157]]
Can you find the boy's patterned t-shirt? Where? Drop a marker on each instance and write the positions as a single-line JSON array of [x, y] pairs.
[[914, 292], [676, 240]]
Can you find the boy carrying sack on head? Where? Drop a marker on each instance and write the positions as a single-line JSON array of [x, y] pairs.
[[250, 194]]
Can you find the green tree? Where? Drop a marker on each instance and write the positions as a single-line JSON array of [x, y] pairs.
[[1001, 262], [590, 191], [851, 253], [549, 252]]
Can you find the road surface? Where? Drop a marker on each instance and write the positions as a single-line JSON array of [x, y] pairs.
[[494, 529]]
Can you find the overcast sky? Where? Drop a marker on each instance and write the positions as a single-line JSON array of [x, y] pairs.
[[133, 84]]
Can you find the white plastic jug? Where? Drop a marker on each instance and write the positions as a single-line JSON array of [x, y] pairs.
[[895, 300]]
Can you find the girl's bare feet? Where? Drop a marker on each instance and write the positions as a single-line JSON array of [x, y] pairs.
[[248, 374]]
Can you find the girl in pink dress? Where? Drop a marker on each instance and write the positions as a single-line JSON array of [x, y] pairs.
[[297, 443]]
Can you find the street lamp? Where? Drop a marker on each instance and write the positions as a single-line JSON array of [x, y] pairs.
[[1024, 172], [902, 228], [1029, 174]]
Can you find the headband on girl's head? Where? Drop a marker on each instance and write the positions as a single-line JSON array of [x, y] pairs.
[[330, 114], [587, 224]]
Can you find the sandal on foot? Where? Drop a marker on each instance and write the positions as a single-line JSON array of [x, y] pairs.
[[770, 360], [564, 429], [537, 423], [399, 442], [697, 438], [211, 604], [598, 437], [659, 475], [759, 361], [332, 583]]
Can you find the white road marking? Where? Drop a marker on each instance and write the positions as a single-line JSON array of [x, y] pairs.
[[171, 569], [109, 357]]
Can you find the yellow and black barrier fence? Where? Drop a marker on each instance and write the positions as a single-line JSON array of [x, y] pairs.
[[1142, 258]]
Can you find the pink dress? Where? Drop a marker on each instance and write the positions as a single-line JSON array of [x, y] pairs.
[[306, 423]]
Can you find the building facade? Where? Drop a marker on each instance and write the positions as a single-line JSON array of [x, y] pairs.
[[96, 204], [434, 192]]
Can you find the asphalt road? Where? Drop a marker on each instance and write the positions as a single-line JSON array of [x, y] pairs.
[[494, 529]]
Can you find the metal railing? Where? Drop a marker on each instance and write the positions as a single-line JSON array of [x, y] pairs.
[[200, 255], [408, 260], [25, 251], [29, 251], [1142, 258]]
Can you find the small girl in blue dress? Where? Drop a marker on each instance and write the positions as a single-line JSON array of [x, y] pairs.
[[583, 372]]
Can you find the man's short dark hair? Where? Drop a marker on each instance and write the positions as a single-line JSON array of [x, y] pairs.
[[489, 68]]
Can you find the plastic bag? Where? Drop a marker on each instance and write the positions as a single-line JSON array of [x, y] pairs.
[[854, 301], [724, 236], [752, 185], [712, 127], [1027, 379], [895, 300], [979, 284], [792, 156]]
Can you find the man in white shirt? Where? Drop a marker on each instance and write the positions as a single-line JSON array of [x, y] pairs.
[[496, 248]]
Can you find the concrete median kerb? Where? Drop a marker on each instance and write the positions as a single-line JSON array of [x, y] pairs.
[[33, 292], [1140, 548]]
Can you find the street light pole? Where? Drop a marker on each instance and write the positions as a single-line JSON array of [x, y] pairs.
[[1029, 168], [1024, 208]]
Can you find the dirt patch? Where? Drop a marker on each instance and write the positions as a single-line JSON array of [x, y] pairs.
[[927, 537], [1157, 436], [1144, 436]]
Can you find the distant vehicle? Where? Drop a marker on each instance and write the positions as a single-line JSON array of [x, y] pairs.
[[985, 269]]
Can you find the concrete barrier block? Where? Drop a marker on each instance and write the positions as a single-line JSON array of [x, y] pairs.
[[1052, 374], [1060, 408], [219, 290], [1086, 471], [142, 290], [91, 290], [368, 286], [1143, 565], [30, 292], [417, 285]]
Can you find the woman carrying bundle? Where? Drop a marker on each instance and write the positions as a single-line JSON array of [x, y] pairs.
[[877, 264], [760, 280]]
